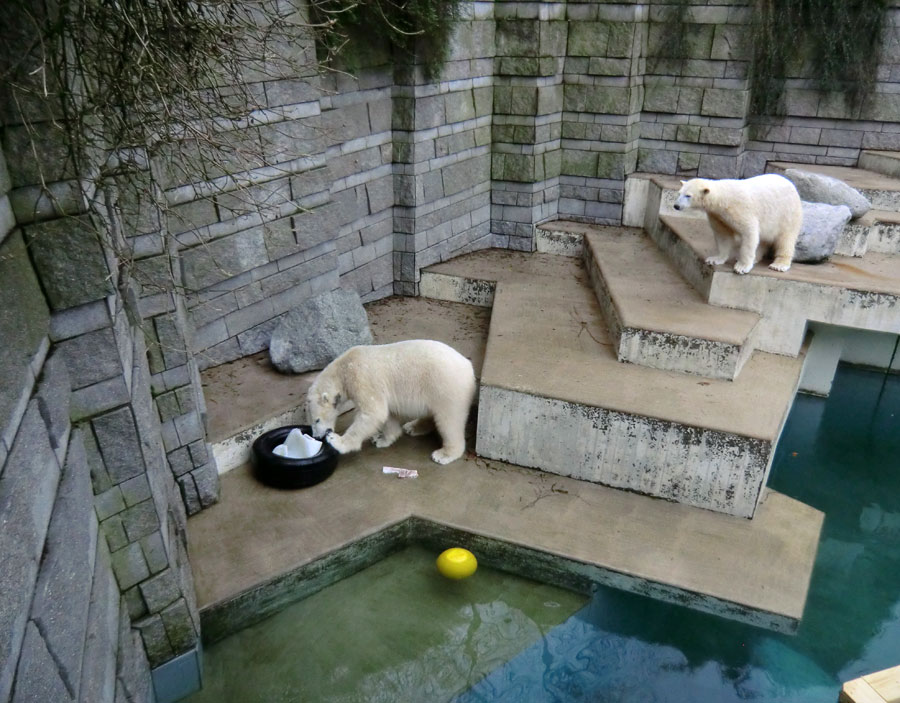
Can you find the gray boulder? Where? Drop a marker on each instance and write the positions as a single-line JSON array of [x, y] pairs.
[[816, 188], [821, 230], [311, 335]]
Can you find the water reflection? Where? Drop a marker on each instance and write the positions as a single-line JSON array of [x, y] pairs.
[[838, 455]]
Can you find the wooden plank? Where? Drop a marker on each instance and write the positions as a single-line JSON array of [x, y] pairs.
[[887, 683], [859, 691]]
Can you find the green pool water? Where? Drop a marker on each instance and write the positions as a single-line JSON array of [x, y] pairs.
[[399, 632]]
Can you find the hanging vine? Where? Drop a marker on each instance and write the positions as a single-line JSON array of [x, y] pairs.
[[414, 28], [834, 43]]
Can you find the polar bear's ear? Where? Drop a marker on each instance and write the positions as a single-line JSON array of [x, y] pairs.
[[682, 182], [324, 397], [337, 399]]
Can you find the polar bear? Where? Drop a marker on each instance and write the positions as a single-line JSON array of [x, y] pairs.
[[755, 214], [421, 382]]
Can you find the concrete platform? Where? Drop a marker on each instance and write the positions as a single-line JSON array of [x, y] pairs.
[[554, 396], [261, 548], [648, 196], [853, 292], [655, 317]]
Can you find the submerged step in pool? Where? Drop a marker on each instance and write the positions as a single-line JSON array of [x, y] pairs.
[[398, 632]]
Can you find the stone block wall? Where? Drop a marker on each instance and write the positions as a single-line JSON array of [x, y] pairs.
[[604, 93], [542, 110], [821, 128], [96, 586], [697, 89], [696, 113], [442, 153]]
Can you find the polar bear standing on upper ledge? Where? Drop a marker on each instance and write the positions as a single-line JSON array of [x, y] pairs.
[[754, 214], [424, 383]]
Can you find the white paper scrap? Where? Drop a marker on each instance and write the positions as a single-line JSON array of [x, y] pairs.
[[401, 473]]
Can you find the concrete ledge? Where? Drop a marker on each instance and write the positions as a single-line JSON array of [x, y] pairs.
[[653, 195], [882, 191], [690, 465], [456, 289], [861, 293], [656, 318], [884, 236], [885, 162], [260, 549], [560, 237]]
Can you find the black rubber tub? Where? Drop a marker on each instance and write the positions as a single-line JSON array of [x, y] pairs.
[[282, 472]]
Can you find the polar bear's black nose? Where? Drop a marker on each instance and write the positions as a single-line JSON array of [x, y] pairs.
[[677, 206]]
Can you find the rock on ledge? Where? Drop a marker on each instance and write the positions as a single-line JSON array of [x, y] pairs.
[[312, 334], [816, 188]]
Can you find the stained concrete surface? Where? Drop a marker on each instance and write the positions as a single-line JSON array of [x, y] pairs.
[[756, 570], [550, 339], [650, 294]]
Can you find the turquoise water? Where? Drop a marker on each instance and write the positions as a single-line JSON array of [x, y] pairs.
[[839, 455]]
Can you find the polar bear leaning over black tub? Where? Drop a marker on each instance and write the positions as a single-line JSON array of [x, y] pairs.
[[422, 383]]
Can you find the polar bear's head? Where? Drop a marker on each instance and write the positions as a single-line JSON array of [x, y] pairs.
[[323, 403], [692, 194]]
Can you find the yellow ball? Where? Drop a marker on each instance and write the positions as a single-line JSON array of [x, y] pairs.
[[457, 563]]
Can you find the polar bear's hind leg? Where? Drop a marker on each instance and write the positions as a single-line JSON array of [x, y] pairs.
[[422, 426], [451, 425], [388, 434]]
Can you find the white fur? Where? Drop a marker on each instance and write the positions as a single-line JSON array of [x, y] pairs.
[[424, 383], [751, 215]]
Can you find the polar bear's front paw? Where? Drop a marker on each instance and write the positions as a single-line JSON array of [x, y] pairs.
[[442, 456], [716, 260], [743, 267], [336, 441], [779, 266]]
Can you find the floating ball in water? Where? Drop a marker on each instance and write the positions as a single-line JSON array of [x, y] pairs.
[[457, 563]]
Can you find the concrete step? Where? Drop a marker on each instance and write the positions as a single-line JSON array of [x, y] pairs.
[[560, 237], [853, 292], [555, 397], [881, 190], [655, 317], [886, 162], [884, 234], [472, 278]]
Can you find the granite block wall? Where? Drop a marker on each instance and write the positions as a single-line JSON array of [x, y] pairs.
[[542, 110], [442, 152], [96, 586], [821, 128]]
